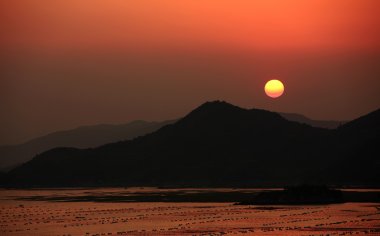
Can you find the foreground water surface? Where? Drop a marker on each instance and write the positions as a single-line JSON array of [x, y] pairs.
[[152, 211]]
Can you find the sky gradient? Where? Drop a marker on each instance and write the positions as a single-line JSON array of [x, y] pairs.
[[67, 63]]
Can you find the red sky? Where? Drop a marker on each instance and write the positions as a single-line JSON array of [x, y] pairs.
[[67, 63]]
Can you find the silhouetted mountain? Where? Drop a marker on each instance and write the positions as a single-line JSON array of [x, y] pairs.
[[328, 124], [96, 135], [357, 159], [366, 125], [217, 144], [82, 137]]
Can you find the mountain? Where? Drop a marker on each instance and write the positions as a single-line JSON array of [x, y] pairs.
[[93, 136], [358, 160], [328, 124], [82, 137], [217, 144]]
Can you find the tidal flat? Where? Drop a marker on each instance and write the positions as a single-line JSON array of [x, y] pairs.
[[154, 211]]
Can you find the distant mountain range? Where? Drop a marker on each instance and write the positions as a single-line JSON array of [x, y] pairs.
[[218, 144], [328, 124], [82, 137], [96, 135]]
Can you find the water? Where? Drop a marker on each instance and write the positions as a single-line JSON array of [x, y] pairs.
[[116, 212]]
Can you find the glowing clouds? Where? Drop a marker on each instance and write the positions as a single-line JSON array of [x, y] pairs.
[[274, 88]]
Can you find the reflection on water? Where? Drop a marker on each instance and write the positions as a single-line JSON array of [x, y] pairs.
[[116, 212]]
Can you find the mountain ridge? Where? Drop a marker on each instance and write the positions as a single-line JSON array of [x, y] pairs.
[[216, 144], [13, 155], [328, 124], [80, 137]]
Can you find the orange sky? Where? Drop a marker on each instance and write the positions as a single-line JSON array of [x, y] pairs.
[[67, 63], [248, 25]]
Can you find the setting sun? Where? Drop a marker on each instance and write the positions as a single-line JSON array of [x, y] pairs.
[[274, 88]]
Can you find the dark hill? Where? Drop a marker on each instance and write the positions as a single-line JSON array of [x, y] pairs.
[[96, 135], [81, 137], [357, 161], [366, 125], [297, 195], [217, 144]]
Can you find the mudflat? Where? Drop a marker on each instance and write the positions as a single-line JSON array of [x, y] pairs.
[[126, 212]]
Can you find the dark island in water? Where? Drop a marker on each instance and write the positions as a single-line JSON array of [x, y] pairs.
[[298, 195]]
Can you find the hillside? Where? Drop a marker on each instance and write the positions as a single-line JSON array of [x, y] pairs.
[[81, 137], [358, 160], [97, 135], [217, 144]]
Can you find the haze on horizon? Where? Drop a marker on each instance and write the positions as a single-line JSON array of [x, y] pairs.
[[67, 63]]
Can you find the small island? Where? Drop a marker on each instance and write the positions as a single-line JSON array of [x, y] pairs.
[[298, 195]]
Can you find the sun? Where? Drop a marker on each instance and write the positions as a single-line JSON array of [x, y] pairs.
[[274, 88]]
